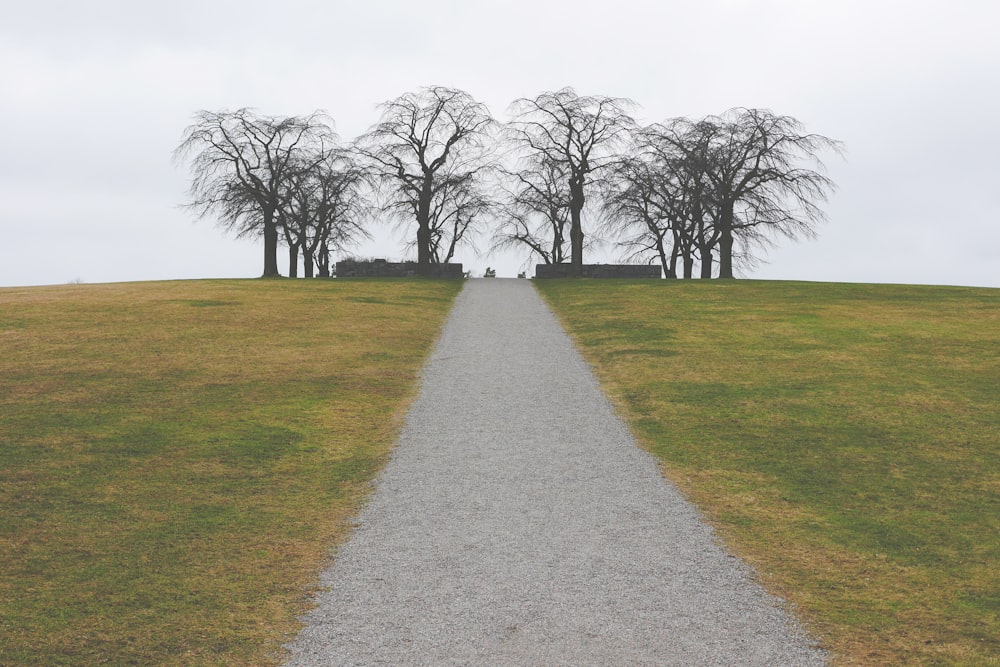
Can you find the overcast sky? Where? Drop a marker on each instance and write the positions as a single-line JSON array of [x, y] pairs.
[[94, 97]]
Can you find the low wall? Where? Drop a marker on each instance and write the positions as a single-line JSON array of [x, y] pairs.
[[379, 268], [600, 271]]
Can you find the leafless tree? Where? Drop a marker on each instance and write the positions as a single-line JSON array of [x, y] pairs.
[[756, 185], [241, 160], [459, 214], [579, 134], [760, 183], [637, 210], [424, 141], [714, 181], [295, 212], [654, 200], [323, 210], [535, 211]]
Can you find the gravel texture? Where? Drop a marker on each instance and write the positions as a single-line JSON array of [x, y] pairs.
[[518, 523]]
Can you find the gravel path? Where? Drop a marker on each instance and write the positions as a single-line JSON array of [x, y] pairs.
[[519, 524]]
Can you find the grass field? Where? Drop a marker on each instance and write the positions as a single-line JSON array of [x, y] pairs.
[[844, 439], [177, 459]]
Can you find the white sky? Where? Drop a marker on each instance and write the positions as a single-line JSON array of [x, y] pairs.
[[94, 97]]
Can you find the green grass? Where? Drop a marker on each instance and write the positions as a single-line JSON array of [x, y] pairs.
[[177, 459], [844, 439]]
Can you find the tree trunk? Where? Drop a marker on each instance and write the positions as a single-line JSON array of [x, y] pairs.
[[323, 260], [726, 241], [675, 253], [307, 263], [576, 247], [726, 253], [557, 249], [576, 230], [689, 265], [293, 260], [665, 264], [706, 263], [423, 248], [270, 246], [424, 229]]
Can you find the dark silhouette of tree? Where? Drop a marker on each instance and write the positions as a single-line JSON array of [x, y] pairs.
[[459, 214], [639, 209], [426, 144], [755, 182], [758, 182], [579, 134], [241, 161], [703, 185], [536, 211], [323, 210], [655, 199]]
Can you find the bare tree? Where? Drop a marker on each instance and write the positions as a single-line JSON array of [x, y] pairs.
[[656, 199], [324, 209], [535, 213], [423, 143], [638, 211], [241, 160], [580, 134], [682, 156], [458, 214], [751, 159], [759, 183], [295, 210], [714, 181]]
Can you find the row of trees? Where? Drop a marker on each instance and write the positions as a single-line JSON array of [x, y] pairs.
[[682, 192], [691, 190]]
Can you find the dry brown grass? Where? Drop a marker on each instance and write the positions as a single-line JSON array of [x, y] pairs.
[[177, 459], [844, 439]]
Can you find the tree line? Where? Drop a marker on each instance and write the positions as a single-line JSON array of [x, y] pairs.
[[562, 169]]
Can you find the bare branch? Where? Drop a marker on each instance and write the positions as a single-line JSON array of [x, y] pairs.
[[580, 135], [426, 145], [240, 161]]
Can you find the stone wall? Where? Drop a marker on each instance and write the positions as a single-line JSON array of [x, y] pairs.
[[380, 268], [600, 271]]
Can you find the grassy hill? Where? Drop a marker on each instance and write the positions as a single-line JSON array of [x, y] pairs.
[[177, 458], [844, 439]]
